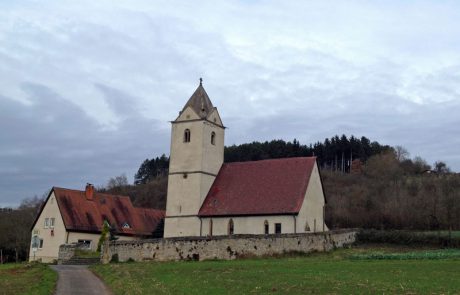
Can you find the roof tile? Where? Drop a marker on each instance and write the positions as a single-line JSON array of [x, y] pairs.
[[82, 214], [266, 187]]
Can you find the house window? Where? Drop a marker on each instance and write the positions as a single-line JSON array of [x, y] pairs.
[[84, 244], [47, 222], [230, 227], [40, 244], [277, 228], [187, 135], [266, 227], [213, 138], [52, 222]]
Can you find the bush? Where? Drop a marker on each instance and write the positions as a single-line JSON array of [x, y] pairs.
[[408, 238], [114, 258]]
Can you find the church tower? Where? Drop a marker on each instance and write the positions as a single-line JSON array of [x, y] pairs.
[[197, 153]]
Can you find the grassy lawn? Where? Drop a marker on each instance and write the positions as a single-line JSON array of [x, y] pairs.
[[336, 272], [27, 279]]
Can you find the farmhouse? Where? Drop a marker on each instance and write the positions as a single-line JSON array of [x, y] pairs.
[[209, 198], [72, 216]]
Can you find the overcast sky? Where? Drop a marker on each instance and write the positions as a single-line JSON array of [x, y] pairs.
[[87, 87]]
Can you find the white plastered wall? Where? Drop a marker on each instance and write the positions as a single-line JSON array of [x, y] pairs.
[[248, 225], [51, 243], [192, 169], [185, 226], [312, 209]]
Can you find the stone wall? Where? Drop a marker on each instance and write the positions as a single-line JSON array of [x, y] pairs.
[[227, 247], [66, 252]]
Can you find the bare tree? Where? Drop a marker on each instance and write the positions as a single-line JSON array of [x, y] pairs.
[[441, 167], [117, 181], [401, 153]]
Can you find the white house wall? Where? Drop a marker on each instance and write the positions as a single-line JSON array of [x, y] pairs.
[[312, 210], [51, 243]]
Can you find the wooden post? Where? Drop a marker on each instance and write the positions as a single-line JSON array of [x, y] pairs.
[[1, 256]]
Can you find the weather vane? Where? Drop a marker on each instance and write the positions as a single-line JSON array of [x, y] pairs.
[[201, 81]]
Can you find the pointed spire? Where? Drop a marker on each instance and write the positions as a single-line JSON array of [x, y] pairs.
[[200, 102]]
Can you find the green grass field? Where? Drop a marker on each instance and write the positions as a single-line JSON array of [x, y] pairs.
[[27, 279], [325, 273]]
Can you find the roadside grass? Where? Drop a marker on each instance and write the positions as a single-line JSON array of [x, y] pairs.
[[35, 278], [334, 272]]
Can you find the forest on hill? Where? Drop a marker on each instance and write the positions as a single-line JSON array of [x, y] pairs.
[[335, 153], [367, 185]]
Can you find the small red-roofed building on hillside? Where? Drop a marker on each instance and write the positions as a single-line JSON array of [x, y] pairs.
[[72, 216], [209, 198]]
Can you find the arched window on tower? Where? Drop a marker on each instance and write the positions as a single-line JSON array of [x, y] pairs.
[[266, 227], [187, 135], [230, 227], [213, 138]]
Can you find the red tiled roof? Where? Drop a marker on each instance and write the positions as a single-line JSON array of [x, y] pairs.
[[81, 214], [266, 187]]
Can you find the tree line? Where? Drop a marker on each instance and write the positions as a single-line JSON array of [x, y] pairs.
[[15, 229], [394, 193], [335, 153]]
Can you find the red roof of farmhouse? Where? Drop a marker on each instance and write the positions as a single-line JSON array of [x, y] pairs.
[[266, 187], [83, 213]]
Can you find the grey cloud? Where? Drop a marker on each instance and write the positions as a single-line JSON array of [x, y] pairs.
[[99, 82], [54, 143]]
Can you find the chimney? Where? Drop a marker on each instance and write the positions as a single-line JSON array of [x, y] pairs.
[[89, 191]]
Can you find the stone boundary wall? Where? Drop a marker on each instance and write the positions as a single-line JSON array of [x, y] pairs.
[[225, 247], [66, 252]]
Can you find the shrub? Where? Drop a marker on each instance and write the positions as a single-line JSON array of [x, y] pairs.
[[114, 258], [408, 238]]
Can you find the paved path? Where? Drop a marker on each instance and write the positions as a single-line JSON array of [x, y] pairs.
[[77, 279]]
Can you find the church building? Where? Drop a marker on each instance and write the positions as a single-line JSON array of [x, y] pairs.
[[209, 198]]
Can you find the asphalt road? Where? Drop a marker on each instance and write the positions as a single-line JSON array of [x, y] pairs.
[[77, 279]]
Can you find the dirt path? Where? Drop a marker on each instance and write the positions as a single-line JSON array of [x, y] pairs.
[[77, 279]]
